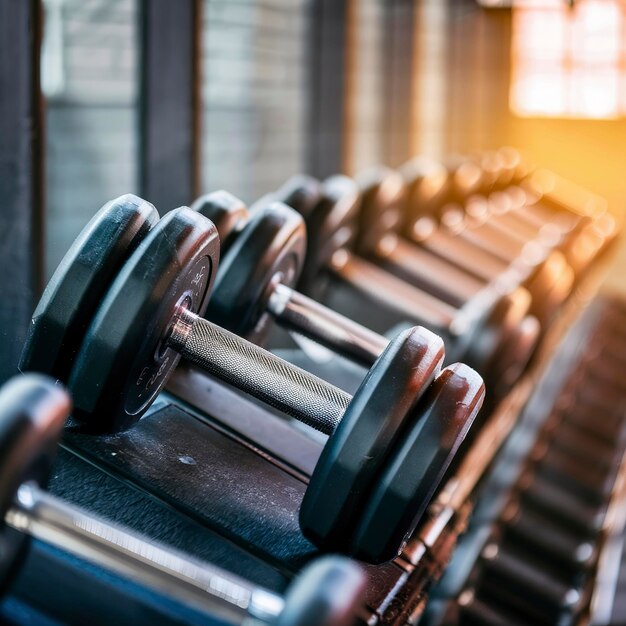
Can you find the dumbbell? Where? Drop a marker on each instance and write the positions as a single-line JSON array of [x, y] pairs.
[[390, 443], [583, 217], [428, 192], [514, 581], [555, 544], [546, 196], [493, 334], [506, 195], [547, 276], [460, 195], [385, 197], [33, 410], [255, 282], [437, 222]]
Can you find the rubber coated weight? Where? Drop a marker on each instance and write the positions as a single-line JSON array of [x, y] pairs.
[[429, 188], [122, 364], [501, 339], [417, 464], [271, 248], [71, 298], [379, 414], [301, 192], [329, 592], [33, 410], [550, 284], [383, 193], [331, 226], [226, 211], [518, 339]]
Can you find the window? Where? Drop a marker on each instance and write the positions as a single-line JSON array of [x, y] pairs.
[[569, 62]]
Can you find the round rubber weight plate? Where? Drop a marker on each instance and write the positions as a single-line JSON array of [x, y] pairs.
[[550, 285], [413, 471], [33, 411], [226, 211], [517, 335], [123, 362], [71, 298], [301, 192], [331, 225], [328, 592], [490, 342], [271, 248], [429, 188], [382, 197], [380, 411]]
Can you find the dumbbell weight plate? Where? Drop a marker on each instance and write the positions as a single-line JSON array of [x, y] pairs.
[[417, 464], [79, 283], [122, 364], [270, 249], [327, 593], [383, 192], [32, 414], [301, 192], [331, 226], [429, 188], [381, 411], [226, 211], [500, 341]]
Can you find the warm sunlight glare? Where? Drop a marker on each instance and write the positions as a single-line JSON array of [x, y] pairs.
[[569, 62]]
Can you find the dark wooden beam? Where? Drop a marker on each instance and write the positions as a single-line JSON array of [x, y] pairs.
[[327, 91], [21, 167], [170, 101], [398, 63]]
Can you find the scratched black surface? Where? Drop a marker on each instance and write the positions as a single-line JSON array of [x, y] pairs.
[[211, 478], [85, 485]]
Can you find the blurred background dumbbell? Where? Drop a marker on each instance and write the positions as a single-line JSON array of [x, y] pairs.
[[531, 263], [493, 333], [390, 444], [261, 261], [33, 410], [446, 205]]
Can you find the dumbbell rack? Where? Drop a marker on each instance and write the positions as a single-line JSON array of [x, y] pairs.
[[467, 594], [229, 475], [402, 596]]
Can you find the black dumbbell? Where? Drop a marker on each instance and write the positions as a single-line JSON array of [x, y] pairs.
[[386, 200], [512, 193], [587, 225], [563, 507], [33, 410], [256, 278], [440, 201], [454, 196], [493, 334], [545, 196], [428, 190], [76, 288], [512, 580], [387, 442], [546, 276], [555, 545]]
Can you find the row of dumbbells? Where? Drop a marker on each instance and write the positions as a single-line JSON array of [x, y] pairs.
[[129, 299], [540, 558], [149, 316]]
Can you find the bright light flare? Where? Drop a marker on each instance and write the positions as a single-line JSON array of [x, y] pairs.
[[568, 62]]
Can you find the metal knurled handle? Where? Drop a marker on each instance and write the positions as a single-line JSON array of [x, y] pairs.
[[259, 373]]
